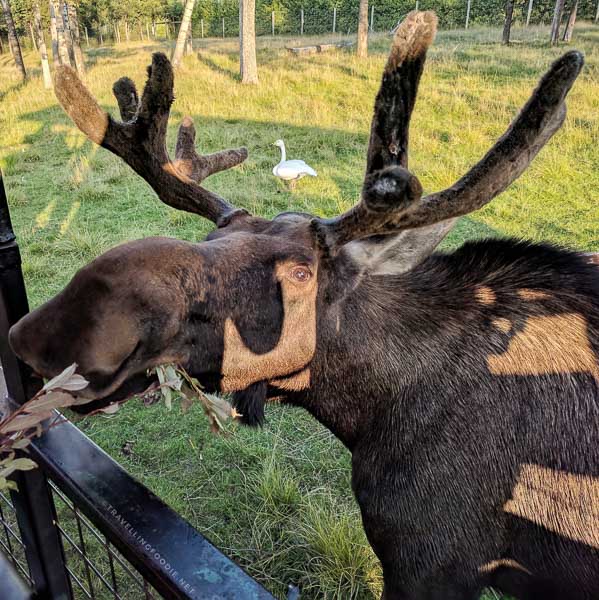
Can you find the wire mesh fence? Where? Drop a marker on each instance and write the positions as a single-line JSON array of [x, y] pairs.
[[96, 569]]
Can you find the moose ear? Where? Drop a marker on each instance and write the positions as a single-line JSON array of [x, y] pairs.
[[397, 253]]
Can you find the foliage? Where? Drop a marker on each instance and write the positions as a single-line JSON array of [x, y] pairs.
[[18, 428]]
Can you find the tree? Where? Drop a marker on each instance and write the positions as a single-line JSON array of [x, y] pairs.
[[183, 32], [41, 44], [13, 40], [571, 21], [54, 35], [557, 19], [362, 47], [507, 25], [63, 49], [75, 38], [247, 41]]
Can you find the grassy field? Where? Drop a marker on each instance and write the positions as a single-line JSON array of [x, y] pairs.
[[278, 499]]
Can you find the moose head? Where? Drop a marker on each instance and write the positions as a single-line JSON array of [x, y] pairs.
[[248, 309]]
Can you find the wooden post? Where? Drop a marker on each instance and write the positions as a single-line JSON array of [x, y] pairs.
[[372, 18], [417, 3], [302, 20], [529, 12], [272, 22], [202, 27], [468, 13], [334, 18], [597, 13], [101, 35], [223, 26], [86, 37]]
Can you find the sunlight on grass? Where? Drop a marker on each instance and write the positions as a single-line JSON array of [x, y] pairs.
[[278, 500]]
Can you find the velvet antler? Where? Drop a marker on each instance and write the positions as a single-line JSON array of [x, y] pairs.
[[140, 139], [391, 197]]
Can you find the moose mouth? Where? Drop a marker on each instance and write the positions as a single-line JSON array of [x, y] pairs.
[[133, 386]]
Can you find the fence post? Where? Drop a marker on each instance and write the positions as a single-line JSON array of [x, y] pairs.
[[272, 22], [223, 26], [334, 19], [468, 13], [372, 18], [302, 20], [528, 13], [416, 4], [597, 13], [86, 37], [35, 511], [202, 27]]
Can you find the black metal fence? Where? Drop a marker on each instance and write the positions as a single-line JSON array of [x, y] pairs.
[[80, 526]]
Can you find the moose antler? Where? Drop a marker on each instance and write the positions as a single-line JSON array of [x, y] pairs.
[[391, 196], [140, 139]]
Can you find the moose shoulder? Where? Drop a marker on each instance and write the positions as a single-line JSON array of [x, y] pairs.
[[466, 385]]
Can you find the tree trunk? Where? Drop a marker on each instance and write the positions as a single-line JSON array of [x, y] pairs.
[[189, 44], [63, 50], [557, 19], [13, 40], [54, 35], [362, 47], [529, 12], [66, 27], [41, 44], [76, 40], [509, 16], [183, 32], [33, 41], [247, 41], [571, 21], [127, 30]]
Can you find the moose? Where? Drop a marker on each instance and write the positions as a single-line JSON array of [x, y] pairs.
[[465, 384]]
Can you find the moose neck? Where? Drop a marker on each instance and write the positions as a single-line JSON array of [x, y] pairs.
[[382, 338]]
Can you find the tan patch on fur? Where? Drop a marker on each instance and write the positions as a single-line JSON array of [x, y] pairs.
[[242, 367], [565, 503], [485, 295], [295, 383], [528, 294], [550, 344], [412, 38], [502, 562], [504, 325]]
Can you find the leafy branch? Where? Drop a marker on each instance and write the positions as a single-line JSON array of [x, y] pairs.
[[19, 427]]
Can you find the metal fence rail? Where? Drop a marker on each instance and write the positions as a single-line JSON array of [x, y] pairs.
[[80, 526]]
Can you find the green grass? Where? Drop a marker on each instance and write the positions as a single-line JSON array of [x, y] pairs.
[[278, 499]]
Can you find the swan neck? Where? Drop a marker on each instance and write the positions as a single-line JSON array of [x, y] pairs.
[[283, 154]]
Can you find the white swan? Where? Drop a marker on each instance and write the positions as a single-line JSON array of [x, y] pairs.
[[291, 170]]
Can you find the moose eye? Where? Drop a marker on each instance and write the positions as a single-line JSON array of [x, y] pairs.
[[301, 274]]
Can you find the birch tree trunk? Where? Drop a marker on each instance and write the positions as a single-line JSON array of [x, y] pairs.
[[41, 44], [183, 32], [66, 27], [571, 21], [76, 39], [362, 46], [557, 19], [247, 41], [63, 50], [33, 40], [54, 35], [507, 26], [13, 40]]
